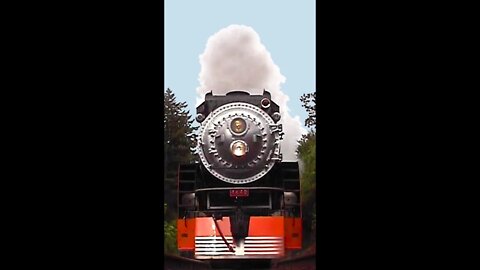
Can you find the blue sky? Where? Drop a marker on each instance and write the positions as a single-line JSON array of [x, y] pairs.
[[285, 27]]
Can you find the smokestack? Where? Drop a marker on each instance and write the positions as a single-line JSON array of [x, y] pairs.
[[235, 58]]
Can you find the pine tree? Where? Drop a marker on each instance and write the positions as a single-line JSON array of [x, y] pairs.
[[177, 125]]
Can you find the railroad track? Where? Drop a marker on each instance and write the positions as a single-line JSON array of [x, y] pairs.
[[172, 262], [303, 262]]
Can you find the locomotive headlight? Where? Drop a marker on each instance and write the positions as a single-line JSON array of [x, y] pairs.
[[239, 148], [238, 126]]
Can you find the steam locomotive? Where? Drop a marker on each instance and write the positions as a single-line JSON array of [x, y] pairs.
[[239, 201]]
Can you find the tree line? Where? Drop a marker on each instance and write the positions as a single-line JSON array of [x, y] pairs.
[[178, 124]]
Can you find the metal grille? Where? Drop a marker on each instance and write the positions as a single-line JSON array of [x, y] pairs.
[[213, 247]]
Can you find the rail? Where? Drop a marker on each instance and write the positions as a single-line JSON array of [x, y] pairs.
[[172, 262], [302, 262]]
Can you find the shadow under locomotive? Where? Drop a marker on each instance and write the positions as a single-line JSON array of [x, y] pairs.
[[240, 202]]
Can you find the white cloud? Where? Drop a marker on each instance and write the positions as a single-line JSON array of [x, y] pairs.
[[235, 59]]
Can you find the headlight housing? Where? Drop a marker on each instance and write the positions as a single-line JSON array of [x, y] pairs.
[[239, 148], [238, 126]]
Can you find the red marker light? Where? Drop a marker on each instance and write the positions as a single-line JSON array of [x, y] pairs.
[[239, 193], [265, 103]]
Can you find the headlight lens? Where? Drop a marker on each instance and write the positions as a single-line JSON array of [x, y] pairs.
[[239, 148], [238, 126]]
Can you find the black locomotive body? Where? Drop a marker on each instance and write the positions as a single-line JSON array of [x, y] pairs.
[[240, 201]]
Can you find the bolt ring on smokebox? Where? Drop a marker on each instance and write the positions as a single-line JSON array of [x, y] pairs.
[[259, 133]]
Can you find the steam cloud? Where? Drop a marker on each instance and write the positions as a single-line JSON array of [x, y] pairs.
[[235, 59]]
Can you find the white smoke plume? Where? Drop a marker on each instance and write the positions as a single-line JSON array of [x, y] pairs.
[[235, 59]]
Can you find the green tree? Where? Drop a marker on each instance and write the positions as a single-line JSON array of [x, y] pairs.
[[170, 235], [307, 154], [177, 125], [310, 104]]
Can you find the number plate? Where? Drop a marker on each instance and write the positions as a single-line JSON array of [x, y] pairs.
[[239, 193]]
